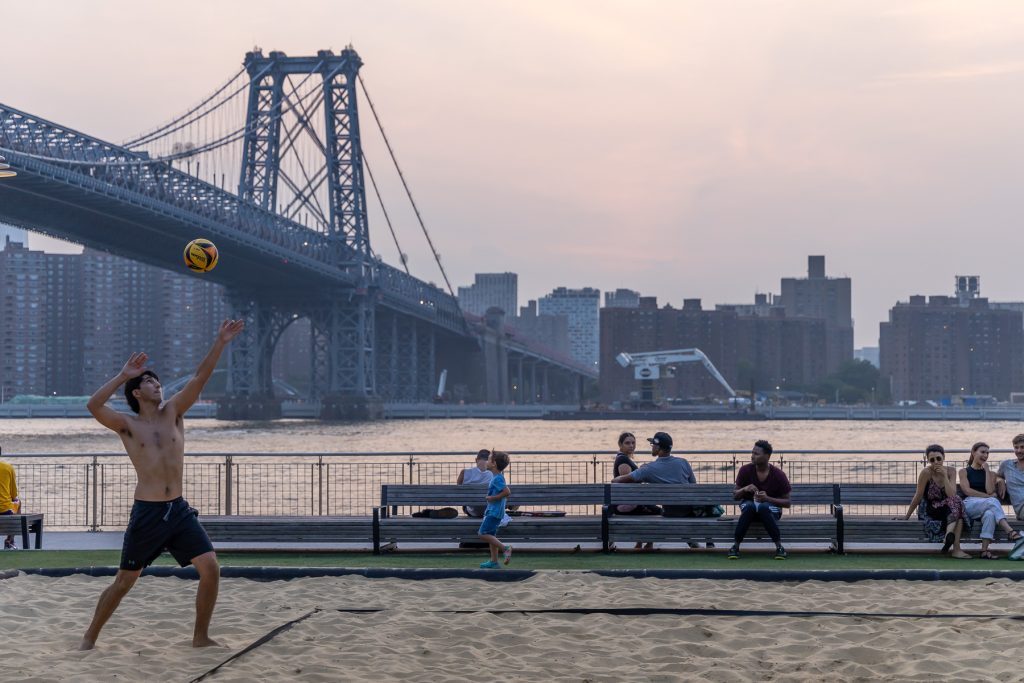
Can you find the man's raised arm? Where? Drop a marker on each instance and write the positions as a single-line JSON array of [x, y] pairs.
[[97, 405], [189, 394]]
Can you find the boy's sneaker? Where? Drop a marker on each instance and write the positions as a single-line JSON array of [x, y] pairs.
[[506, 554], [780, 553], [489, 564], [734, 553]]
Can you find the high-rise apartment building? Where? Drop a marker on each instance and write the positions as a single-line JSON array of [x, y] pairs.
[[551, 331], [12, 234], [938, 347], [129, 306], [828, 298], [622, 298], [192, 311], [22, 321], [582, 308], [116, 321], [64, 324], [867, 353], [490, 290]]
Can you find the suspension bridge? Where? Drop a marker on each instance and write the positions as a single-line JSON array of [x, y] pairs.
[[271, 167]]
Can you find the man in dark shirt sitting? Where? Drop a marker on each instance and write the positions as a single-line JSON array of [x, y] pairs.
[[763, 490]]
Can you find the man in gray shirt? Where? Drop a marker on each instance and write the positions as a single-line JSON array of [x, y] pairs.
[[1011, 477], [664, 469]]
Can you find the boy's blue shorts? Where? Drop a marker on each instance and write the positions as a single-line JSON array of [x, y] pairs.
[[489, 526]]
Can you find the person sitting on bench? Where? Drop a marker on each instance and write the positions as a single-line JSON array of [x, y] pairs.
[[476, 475], [763, 490], [936, 485], [981, 500], [9, 503]]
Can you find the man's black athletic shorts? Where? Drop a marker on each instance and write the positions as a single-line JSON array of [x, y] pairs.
[[157, 526]]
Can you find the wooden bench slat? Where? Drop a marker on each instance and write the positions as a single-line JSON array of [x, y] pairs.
[[323, 529], [411, 495]]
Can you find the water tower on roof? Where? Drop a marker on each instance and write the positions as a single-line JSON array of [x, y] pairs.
[[967, 287]]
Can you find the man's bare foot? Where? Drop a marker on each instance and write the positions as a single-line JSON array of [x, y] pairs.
[[87, 644], [204, 642], [960, 555]]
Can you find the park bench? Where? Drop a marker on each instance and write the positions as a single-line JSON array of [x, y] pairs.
[[23, 524], [289, 529], [859, 520], [391, 527], [809, 519]]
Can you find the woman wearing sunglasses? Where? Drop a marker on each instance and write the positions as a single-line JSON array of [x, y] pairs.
[[937, 486]]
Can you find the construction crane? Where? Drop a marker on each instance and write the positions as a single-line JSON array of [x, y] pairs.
[[647, 367]]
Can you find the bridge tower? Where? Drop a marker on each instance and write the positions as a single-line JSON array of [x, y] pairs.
[[343, 329]]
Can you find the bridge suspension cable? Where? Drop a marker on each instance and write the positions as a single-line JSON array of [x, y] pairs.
[[373, 181], [166, 129], [408, 192]]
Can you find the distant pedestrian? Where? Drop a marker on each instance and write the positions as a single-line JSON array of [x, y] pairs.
[[9, 503], [763, 490], [498, 493]]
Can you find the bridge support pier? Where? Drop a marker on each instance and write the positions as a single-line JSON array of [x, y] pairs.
[[250, 386], [344, 367]]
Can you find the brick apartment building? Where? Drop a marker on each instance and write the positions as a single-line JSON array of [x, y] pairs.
[[826, 298], [939, 347], [649, 328], [752, 346]]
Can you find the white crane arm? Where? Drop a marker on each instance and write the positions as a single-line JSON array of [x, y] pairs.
[[647, 364]]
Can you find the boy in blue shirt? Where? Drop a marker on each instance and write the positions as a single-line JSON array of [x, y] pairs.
[[497, 492]]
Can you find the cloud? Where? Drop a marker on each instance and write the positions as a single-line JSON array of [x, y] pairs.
[[968, 72]]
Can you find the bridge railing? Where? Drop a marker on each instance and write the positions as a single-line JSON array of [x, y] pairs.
[[95, 491], [58, 152]]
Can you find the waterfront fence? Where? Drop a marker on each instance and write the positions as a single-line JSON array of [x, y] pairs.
[[94, 492]]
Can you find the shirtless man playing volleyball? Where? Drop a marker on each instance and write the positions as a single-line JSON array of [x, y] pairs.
[[161, 519]]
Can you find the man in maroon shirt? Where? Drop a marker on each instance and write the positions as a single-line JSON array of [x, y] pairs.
[[763, 490]]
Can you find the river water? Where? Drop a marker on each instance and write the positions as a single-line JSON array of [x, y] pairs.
[[85, 436]]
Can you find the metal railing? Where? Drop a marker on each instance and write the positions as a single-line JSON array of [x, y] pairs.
[[95, 492]]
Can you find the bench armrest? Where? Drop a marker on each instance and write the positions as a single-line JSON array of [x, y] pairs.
[[837, 512]]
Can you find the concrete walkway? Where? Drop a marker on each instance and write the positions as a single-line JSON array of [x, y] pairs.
[[112, 540]]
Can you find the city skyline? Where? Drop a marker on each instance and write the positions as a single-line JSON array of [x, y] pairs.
[[741, 137]]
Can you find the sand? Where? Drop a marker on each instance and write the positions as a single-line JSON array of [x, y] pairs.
[[149, 637]]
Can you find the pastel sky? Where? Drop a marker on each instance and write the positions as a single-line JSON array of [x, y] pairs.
[[684, 149]]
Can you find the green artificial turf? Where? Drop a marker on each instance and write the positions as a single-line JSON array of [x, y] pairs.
[[529, 560]]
